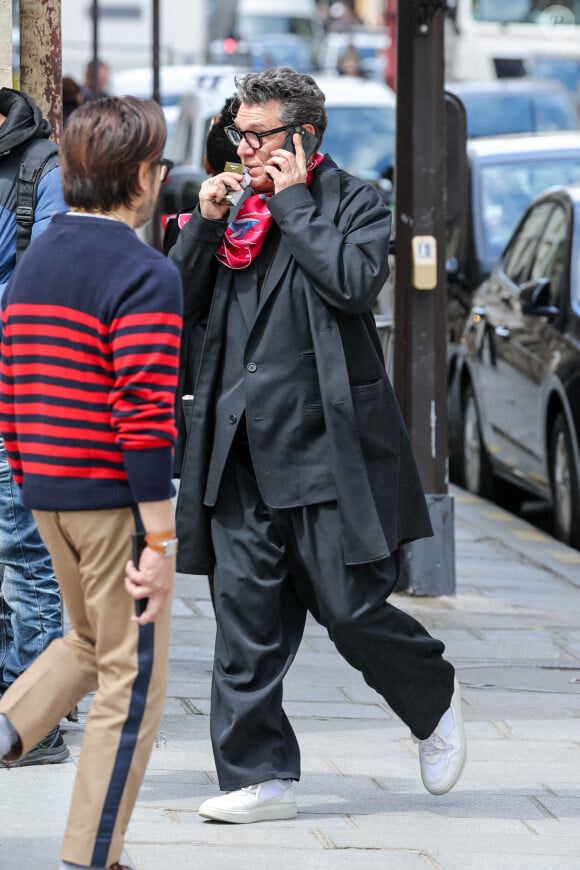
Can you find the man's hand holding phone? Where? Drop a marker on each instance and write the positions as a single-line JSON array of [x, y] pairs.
[[286, 166]]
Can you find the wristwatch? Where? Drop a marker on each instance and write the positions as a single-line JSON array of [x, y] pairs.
[[165, 547]]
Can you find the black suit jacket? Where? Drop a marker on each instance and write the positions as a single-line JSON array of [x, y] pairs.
[[313, 371]]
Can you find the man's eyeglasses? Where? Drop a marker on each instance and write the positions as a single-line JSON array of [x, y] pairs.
[[251, 137], [166, 167]]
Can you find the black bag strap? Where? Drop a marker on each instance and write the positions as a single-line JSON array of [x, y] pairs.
[[38, 153]]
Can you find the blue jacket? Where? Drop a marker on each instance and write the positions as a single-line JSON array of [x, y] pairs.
[[23, 123]]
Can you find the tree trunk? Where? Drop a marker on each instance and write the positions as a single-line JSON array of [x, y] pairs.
[[6, 44], [41, 58]]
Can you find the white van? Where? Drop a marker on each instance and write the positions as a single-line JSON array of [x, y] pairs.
[[174, 82], [360, 136], [197, 107], [491, 39]]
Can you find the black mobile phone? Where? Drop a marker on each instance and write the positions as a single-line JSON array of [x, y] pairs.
[[138, 544], [309, 141]]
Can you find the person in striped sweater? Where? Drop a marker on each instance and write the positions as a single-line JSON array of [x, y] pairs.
[[91, 328]]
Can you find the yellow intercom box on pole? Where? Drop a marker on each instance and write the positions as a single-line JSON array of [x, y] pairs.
[[424, 262]]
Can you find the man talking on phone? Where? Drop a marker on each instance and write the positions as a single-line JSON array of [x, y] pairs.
[[298, 483]]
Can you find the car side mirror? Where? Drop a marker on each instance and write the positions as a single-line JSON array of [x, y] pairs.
[[535, 299]]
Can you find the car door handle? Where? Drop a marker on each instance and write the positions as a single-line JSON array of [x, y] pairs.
[[502, 332]]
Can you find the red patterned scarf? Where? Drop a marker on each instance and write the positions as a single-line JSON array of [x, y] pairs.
[[245, 235]]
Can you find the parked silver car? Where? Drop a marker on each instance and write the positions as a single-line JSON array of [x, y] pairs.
[[505, 106]]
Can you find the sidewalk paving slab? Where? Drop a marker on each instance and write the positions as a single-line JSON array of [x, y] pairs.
[[513, 633]]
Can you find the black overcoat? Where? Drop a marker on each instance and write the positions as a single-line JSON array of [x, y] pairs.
[[333, 251]]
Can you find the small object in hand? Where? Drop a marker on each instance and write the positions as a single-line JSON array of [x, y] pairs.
[[234, 196], [230, 166]]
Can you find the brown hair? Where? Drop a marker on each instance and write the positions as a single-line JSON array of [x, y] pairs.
[[102, 146]]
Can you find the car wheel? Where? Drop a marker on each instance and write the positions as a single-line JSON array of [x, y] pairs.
[[476, 468], [564, 482]]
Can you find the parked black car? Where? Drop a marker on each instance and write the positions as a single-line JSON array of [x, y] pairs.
[[505, 173], [514, 399]]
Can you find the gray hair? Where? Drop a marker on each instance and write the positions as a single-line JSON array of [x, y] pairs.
[[301, 100]]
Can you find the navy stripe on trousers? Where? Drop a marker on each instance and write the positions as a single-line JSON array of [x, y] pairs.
[[127, 743]]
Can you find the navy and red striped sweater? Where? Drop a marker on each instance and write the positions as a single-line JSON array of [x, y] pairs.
[[91, 328]]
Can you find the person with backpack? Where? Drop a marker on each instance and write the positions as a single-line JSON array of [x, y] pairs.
[[30, 604]]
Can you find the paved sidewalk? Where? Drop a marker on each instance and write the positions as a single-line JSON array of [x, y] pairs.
[[513, 632]]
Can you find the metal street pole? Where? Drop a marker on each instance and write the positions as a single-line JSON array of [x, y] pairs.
[[94, 69], [6, 44], [156, 42], [420, 283]]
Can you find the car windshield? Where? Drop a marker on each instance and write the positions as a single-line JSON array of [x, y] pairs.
[[498, 114], [361, 139], [505, 190]]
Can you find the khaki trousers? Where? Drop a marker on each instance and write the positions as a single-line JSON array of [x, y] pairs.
[[124, 664]]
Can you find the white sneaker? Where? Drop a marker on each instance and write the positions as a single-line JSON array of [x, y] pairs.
[[442, 755], [247, 805]]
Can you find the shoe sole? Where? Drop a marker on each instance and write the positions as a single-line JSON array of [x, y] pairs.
[[244, 817], [51, 758]]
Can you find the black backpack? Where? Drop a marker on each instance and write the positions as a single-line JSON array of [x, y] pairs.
[[36, 154]]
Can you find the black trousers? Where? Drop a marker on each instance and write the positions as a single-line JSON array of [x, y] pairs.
[[272, 566]]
